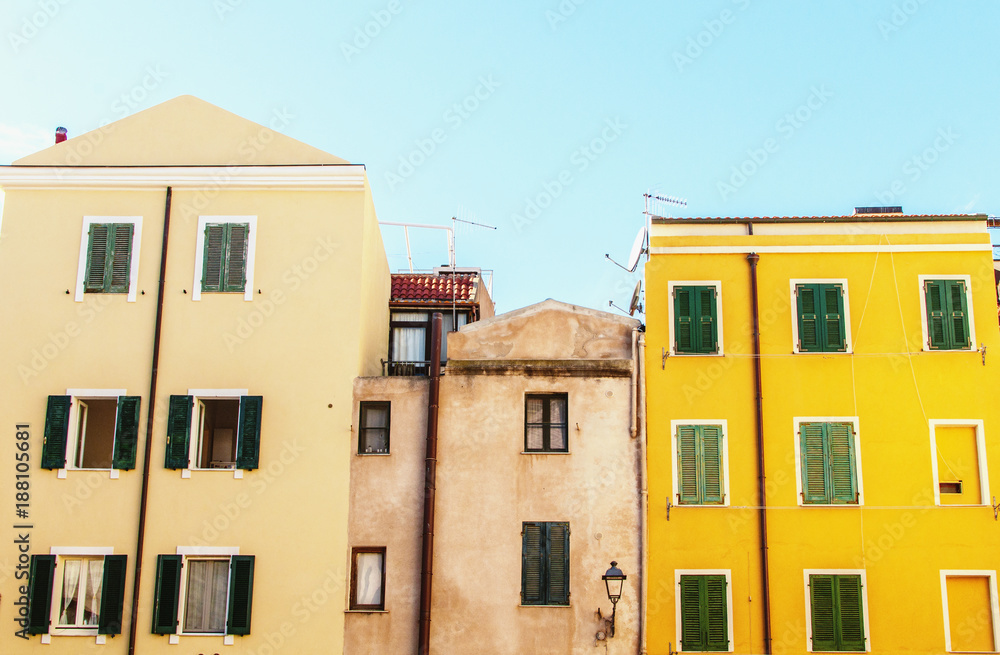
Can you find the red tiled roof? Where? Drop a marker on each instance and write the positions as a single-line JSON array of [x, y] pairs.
[[417, 287]]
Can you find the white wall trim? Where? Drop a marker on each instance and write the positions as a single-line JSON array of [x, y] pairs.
[[864, 602], [718, 315], [81, 271], [729, 600], [208, 551], [82, 551], [796, 422], [925, 335], [217, 393], [199, 249], [848, 341], [984, 478], [738, 250], [994, 606], [724, 424]]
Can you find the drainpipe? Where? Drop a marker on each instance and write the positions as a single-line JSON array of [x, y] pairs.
[[753, 258], [639, 348], [430, 475], [141, 533]]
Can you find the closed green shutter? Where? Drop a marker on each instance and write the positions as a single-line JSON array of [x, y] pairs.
[[707, 337], [695, 320], [167, 594], [248, 446], [56, 429], [99, 248], [715, 611], [824, 623], [225, 258], [834, 323], [687, 464], [236, 256], [821, 319], [214, 257], [699, 465], [958, 316], [40, 575], [843, 477], [937, 332], [126, 432], [178, 432], [558, 564], [712, 491], [240, 594], [109, 258], [692, 635], [812, 444], [809, 324], [851, 613], [119, 271], [684, 338], [704, 613], [532, 557], [112, 595], [838, 622]]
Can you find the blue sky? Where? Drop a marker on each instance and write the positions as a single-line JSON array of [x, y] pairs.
[[550, 119]]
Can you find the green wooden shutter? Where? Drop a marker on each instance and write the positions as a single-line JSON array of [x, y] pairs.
[[178, 431], [851, 613], [119, 273], [167, 594], [834, 323], [843, 472], [56, 429], [240, 594], [707, 332], [532, 556], [126, 432], [40, 575], [99, 246], [236, 256], [557, 586], [684, 328], [692, 636], [809, 324], [712, 491], [937, 332], [824, 624], [812, 444], [715, 612], [215, 253], [687, 465], [248, 444], [958, 314], [112, 595]]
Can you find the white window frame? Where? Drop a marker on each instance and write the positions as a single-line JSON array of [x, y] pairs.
[[133, 271], [73, 420], [72, 552], [724, 424], [924, 334], [201, 553], [194, 443], [864, 604], [796, 425], [199, 259], [678, 622], [718, 315], [848, 341], [994, 605], [984, 478]]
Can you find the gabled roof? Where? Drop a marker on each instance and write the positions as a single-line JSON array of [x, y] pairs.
[[420, 288], [185, 131]]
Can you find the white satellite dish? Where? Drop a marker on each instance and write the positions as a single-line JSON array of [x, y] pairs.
[[634, 303], [638, 248]]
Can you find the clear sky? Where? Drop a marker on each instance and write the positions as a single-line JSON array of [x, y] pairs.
[[550, 119]]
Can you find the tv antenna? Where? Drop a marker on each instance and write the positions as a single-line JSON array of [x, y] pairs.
[[450, 235]]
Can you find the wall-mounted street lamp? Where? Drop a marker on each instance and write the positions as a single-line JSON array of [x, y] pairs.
[[613, 580]]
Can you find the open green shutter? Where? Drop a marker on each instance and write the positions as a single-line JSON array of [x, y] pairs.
[[236, 256], [558, 564], [716, 613], [248, 445], [684, 316], [121, 257], [178, 431], [711, 465], [687, 465], [843, 472], [98, 246], [851, 613], [824, 628], [56, 429], [215, 252], [40, 575], [240, 594], [167, 594], [692, 636], [834, 323], [812, 444], [532, 546], [112, 595], [126, 432], [810, 328], [707, 332], [937, 332], [958, 314]]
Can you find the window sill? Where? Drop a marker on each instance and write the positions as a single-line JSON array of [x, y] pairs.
[[858, 504], [373, 454], [718, 354], [710, 505], [822, 352], [237, 473], [366, 611], [113, 474], [546, 452], [227, 640], [564, 607]]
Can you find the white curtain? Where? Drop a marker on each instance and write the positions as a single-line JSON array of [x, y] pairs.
[[92, 591], [557, 417], [205, 604], [408, 343], [533, 410], [70, 591], [369, 581]]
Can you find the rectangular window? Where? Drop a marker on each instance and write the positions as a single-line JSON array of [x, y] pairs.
[[700, 473], [373, 436], [821, 317], [948, 310], [695, 320], [214, 431], [410, 339], [224, 262], [545, 563], [203, 594], [836, 607], [86, 593], [828, 462], [91, 429], [109, 258], [704, 613], [368, 579], [546, 423], [959, 464], [970, 609]]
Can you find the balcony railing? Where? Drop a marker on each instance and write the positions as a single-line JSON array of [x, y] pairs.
[[390, 367]]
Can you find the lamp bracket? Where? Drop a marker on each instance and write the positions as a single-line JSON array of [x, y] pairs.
[[996, 509], [669, 505]]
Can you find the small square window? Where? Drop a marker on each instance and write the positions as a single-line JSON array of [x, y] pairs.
[[546, 423], [373, 437], [368, 579]]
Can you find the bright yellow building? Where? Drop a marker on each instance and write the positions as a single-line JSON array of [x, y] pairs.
[[875, 428], [188, 297]]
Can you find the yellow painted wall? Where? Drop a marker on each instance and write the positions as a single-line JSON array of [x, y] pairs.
[[894, 388]]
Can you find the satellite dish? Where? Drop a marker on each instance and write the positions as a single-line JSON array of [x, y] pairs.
[[634, 304], [638, 248]]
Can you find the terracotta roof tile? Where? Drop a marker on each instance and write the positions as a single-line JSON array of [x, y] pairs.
[[426, 288]]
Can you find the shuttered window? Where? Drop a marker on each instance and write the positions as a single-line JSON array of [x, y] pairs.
[[225, 257], [227, 434], [109, 258], [696, 320], [104, 435], [947, 309], [821, 318], [218, 594], [546, 423], [700, 465], [828, 463], [837, 613], [545, 563], [89, 593], [704, 613]]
